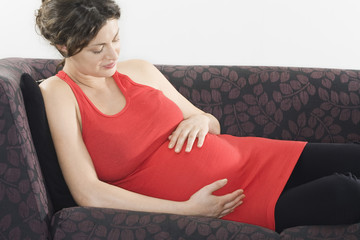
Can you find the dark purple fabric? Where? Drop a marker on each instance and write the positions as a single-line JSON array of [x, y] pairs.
[[25, 211], [94, 223], [350, 232], [316, 105]]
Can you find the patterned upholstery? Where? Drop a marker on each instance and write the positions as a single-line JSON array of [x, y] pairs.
[[317, 105], [85, 223]]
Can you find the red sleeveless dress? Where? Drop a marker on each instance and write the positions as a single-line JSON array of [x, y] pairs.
[[130, 150]]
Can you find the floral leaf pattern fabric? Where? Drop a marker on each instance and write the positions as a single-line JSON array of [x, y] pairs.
[[93, 223], [317, 105], [25, 210]]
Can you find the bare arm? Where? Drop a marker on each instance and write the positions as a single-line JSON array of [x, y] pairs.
[[80, 175], [196, 125]]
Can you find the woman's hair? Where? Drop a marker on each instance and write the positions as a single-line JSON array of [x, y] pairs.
[[74, 23]]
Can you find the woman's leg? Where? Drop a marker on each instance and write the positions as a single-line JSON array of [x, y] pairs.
[[324, 159], [329, 200], [323, 188]]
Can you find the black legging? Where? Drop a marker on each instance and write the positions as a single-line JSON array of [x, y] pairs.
[[323, 188]]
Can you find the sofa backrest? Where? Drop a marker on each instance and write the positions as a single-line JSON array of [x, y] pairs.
[[315, 105]]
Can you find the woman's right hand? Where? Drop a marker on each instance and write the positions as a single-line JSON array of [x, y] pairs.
[[204, 203]]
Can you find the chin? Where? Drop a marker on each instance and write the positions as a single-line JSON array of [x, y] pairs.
[[107, 72], [112, 72]]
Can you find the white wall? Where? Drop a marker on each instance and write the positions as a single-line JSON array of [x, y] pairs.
[[307, 33]]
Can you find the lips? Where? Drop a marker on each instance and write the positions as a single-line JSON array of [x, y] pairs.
[[110, 66]]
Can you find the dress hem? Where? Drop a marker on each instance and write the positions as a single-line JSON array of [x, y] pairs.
[[272, 205]]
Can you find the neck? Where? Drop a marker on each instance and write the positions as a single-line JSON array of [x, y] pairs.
[[83, 79]]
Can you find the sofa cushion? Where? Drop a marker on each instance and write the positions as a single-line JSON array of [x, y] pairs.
[[35, 110]]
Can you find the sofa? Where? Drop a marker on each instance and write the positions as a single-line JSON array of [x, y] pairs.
[[292, 103]]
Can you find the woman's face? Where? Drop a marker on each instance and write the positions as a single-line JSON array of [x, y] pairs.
[[99, 58]]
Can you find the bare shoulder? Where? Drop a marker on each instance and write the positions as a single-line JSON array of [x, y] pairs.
[[141, 71], [134, 65], [56, 92], [51, 82], [54, 86]]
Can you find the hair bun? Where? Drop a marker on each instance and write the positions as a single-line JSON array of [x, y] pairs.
[[74, 23]]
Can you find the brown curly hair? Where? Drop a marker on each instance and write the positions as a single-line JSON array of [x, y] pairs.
[[74, 23]]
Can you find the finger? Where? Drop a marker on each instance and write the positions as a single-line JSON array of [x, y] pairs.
[[181, 140], [201, 138], [236, 202], [225, 212], [175, 135], [229, 210], [231, 199], [173, 138], [232, 196], [216, 185], [191, 139], [230, 207]]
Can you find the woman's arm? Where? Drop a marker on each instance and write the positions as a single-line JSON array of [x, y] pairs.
[[81, 178], [196, 123]]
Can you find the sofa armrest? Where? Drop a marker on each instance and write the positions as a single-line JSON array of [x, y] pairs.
[[89, 223], [25, 211]]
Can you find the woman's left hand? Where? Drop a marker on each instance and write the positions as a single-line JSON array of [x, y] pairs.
[[196, 126]]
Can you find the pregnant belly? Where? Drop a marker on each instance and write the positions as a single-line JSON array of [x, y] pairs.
[[176, 176]]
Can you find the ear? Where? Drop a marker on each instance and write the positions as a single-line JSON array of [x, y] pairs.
[[62, 49]]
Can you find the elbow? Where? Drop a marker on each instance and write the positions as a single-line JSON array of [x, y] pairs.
[[87, 198]]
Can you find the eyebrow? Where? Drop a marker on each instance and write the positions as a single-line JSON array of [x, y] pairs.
[[101, 44]]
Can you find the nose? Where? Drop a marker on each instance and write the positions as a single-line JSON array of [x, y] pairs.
[[113, 52]]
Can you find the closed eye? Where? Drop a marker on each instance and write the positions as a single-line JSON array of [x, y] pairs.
[[115, 39], [98, 52]]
